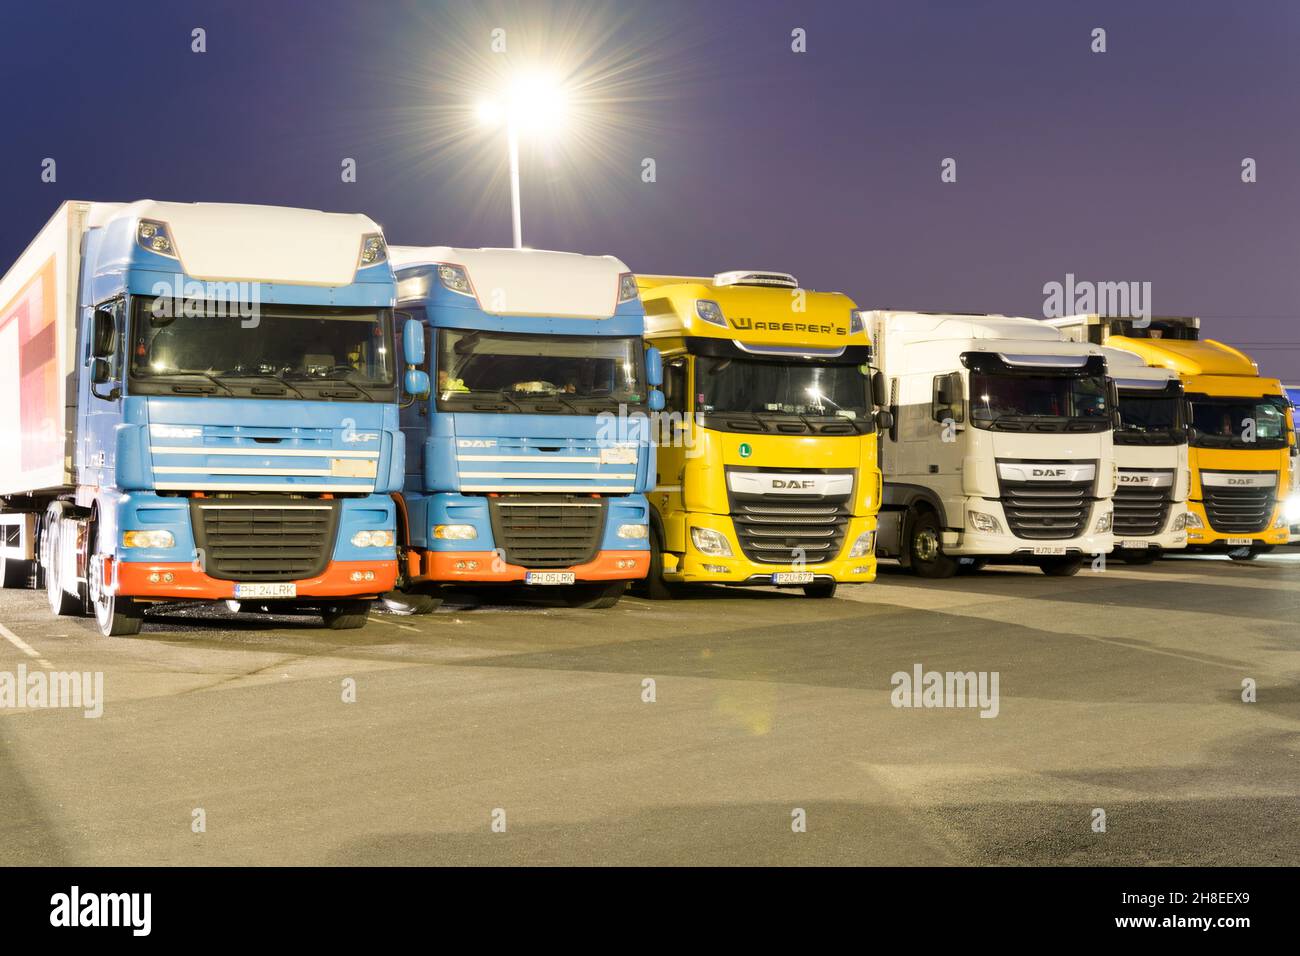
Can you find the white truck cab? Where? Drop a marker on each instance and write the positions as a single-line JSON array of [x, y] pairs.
[[1001, 446], [1151, 458]]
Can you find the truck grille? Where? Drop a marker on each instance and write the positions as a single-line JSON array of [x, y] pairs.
[[779, 529], [251, 540], [1238, 510], [547, 531], [1140, 512], [1047, 510]]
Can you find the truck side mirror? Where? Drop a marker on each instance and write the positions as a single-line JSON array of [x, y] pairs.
[[101, 373], [884, 419], [654, 367], [879, 394], [416, 383], [413, 342], [945, 393], [656, 400], [103, 334]]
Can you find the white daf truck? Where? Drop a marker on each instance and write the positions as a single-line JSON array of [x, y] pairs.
[[1151, 458], [1001, 447]]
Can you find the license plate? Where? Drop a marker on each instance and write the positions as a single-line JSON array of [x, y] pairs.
[[266, 590], [793, 577], [1238, 541], [1134, 543], [1049, 550], [549, 577]]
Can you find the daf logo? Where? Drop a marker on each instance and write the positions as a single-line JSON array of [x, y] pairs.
[[806, 483], [1134, 479], [476, 443], [360, 436], [1048, 472], [1239, 481]]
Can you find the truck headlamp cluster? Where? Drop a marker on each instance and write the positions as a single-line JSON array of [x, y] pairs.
[[1193, 521], [373, 539], [1104, 523], [627, 290], [154, 236], [708, 541], [454, 278], [373, 250], [634, 531], [1291, 510], [865, 544], [985, 524], [710, 312], [455, 532], [1180, 522], [148, 539]]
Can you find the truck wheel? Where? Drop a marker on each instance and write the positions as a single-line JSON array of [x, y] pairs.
[[656, 588], [62, 603], [1245, 554], [1061, 567], [596, 596], [116, 616], [346, 615], [409, 602], [822, 589], [925, 547], [14, 573], [971, 565]]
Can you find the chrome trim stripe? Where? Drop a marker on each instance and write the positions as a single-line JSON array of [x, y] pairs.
[[269, 451]]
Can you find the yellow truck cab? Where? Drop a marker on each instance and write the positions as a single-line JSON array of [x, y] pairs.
[[767, 471], [1242, 443]]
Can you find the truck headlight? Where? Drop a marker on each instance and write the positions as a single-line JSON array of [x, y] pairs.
[[1194, 520], [373, 539], [985, 524], [455, 279], [147, 539], [635, 531], [1292, 510], [1104, 523], [708, 541], [865, 544], [455, 532]]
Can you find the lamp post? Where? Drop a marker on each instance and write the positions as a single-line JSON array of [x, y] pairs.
[[531, 103]]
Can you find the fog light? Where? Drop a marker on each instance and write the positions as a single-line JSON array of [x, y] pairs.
[[370, 575], [865, 544], [373, 539], [625, 563], [147, 539], [861, 570], [154, 578], [167, 578], [355, 575], [985, 524], [708, 541], [466, 565], [635, 531], [455, 532], [1104, 523]]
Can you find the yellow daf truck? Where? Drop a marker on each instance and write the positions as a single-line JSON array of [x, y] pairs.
[[1242, 444], [767, 471]]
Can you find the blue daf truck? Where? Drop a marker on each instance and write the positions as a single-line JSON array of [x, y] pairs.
[[209, 411], [528, 464]]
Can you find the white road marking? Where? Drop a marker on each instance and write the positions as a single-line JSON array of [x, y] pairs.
[[23, 646], [405, 627]]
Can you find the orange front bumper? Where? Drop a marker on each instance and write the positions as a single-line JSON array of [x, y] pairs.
[[136, 579], [487, 566]]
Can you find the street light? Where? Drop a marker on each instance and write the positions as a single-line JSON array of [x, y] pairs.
[[531, 103]]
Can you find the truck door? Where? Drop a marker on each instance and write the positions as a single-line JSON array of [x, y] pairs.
[[673, 434], [103, 365]]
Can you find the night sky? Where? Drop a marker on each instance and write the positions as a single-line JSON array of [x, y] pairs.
[[1115, 166]]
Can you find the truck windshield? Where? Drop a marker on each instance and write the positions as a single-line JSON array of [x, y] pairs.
[[1219, 422], [1038, 401], [307, 350], [1150, 417], [737, 385], [511, 372]]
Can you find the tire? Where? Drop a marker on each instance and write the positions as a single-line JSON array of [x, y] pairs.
[[822, 589], [596, 596], [116, 616], [62, 604], [409, 602], [346, 615], [925, 547], [655, 587], [971, 565], [14, 573], [1245, 554], [1061, 567]]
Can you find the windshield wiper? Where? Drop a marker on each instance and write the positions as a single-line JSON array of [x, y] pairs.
[[211, 378], [266, 377], [351, 384]]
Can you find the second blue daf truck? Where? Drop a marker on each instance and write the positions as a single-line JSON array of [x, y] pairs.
[[209, 411], [528, 465]]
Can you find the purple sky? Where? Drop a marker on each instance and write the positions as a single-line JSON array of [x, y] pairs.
[[1122, 166]]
